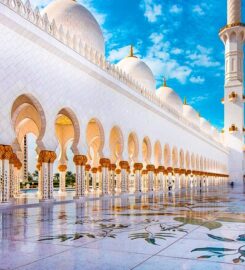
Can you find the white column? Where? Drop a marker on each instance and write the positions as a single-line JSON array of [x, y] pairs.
[[105, 163], [94, 179], [124, 181], [138, 185], [46, 159], [62, 171]]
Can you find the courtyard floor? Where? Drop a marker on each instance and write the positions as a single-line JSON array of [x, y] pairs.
[[185, 230]]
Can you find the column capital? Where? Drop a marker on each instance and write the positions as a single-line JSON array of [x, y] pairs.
[[169, 169], [94, 170], [13, 159], [5, 152], [87, 167], [80, 160], [150, 168], [118, 171], [138, 166], [105, 162], [176, 170], [46, 156], [124, 165], [161, 169], [62, 167], [113, 167]]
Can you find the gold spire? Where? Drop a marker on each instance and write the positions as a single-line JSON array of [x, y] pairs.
[[185, 101], [131, 53], [164, 82]]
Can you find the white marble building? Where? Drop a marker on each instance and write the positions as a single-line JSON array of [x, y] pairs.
[[56, 83]]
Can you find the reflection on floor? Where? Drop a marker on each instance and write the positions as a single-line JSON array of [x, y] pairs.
[[187, 230]]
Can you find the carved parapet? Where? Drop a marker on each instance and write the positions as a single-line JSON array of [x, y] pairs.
[[124, 165], [150, 168], [105, 162], [62, 168], [87, 167], [161, 169], [80, 160], [138, 166]]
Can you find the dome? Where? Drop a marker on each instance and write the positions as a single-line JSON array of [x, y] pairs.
[[78, 20], [168, 95], [138, 70], [190, 113], [205, 125]]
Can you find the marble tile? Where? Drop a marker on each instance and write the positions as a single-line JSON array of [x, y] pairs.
[[17, 253], [88, 259], [167, 263]]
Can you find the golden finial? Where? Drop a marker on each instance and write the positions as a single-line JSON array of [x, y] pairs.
[[185, 101], [131, 54], [164, 82]]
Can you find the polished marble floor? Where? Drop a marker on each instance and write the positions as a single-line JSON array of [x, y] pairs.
[[185, 230]]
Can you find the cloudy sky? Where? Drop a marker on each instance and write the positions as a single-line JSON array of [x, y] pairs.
[[178, 39]]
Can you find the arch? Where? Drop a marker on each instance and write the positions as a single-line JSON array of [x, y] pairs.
[[27, 107], [146, 150], [181, 159], [157, 153], [175, 159], [133, 147], [116, 144], [95, 140], [167, 155], [67, 124]]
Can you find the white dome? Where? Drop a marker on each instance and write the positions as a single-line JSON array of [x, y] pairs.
[[168, 95], [205, 125], [191, 114], [139, 71], [78, 20]]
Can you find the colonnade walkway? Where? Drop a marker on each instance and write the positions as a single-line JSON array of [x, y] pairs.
[[186, 229]]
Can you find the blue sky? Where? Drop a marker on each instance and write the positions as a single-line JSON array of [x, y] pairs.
[[178, 39]]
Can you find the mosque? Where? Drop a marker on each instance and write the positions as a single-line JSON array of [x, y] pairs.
[[126, 135]]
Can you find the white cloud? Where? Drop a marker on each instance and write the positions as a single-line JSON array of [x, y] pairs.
[[151, 10], [159, 60], [198, 99], [119, 54], [197, 80], [198, 10], [202, 58], [175, 9], [176, 51]]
